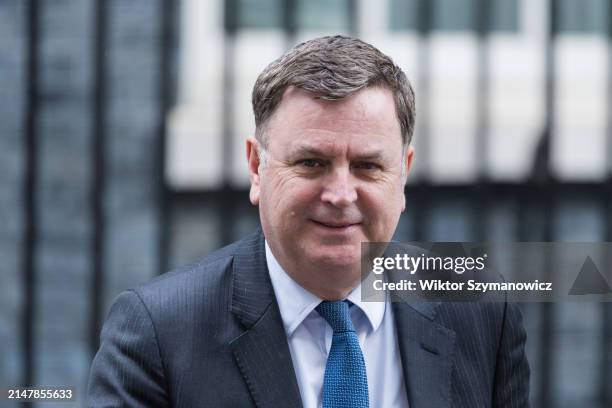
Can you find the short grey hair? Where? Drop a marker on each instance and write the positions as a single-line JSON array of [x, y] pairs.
[[332, 68]]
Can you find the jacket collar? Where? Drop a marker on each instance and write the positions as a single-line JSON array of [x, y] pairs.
[[261, 351], [426, 349]]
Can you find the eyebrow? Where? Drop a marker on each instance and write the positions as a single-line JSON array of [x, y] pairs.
[[307, 150]]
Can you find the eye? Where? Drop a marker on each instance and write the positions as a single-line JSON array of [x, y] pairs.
[[366, 166], [311, 163]]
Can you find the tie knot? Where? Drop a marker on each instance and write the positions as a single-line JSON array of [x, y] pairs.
[[337, 315]]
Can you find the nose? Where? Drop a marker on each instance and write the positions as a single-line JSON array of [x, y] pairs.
[[339, 188]]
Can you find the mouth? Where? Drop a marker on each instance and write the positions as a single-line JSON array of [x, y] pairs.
[[336, 225]]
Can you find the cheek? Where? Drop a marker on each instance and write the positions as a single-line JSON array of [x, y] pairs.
[[383, 204], [287, 197]]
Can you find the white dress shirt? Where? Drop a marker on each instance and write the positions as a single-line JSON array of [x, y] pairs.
[[310, 339]]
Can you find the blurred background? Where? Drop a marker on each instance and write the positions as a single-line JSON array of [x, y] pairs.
[[122, 127]]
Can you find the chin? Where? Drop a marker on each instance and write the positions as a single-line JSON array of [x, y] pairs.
[[345, 256]]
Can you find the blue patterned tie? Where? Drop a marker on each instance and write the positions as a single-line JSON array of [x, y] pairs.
[[345, 383]]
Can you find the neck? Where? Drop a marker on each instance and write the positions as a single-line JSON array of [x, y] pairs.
[[327, 285]]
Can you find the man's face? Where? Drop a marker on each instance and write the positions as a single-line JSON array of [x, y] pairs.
[[332, 179]]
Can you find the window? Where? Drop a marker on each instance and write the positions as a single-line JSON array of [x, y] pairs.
[[583, 16], [310, 14], [504, 15], [404, 14], [323, 14], [453, 15], [259, 13]]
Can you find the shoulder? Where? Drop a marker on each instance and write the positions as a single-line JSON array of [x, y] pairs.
[[202, 285], [480, 318], [205, 270], [484, 326]]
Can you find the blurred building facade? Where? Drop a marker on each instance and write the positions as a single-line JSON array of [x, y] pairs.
[[122, 127], [445, 62]]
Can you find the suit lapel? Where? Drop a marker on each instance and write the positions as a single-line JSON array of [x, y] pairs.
[[261, 351], [426, 349]]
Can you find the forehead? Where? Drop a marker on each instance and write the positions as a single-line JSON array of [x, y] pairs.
[[367, 117]]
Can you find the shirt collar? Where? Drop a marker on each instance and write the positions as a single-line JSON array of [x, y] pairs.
[[296, 303]]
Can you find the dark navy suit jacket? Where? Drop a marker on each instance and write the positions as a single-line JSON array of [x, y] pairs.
[[211, 335]]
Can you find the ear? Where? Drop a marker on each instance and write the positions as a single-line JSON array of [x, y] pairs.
[[408, 163], [253, 159]]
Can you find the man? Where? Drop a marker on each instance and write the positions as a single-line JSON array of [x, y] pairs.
[[277, 320]]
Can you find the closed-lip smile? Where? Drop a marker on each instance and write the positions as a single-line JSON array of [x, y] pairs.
[[335, 224]]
